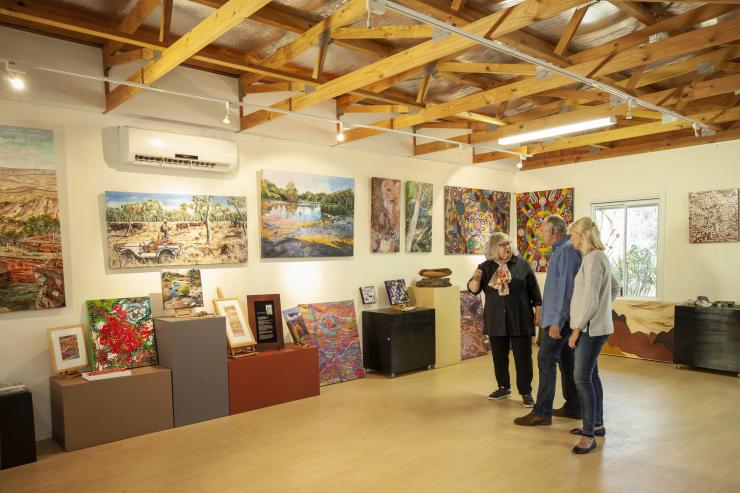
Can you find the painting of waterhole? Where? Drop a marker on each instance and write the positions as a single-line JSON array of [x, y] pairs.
[[170, 229], [306, 215], [31, 273]]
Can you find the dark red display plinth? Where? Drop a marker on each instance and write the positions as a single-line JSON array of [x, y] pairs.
[[273, 377]]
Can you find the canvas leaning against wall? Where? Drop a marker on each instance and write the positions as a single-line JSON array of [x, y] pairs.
[[385, 215], [531, 209], [419, 201], [642, 330], [471, 216], [306, 215], [172, 229], [31, 267]]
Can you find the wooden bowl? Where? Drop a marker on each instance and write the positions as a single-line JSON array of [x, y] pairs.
[[435, 273]]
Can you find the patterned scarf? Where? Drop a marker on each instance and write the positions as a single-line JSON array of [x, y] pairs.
[[501, 278]]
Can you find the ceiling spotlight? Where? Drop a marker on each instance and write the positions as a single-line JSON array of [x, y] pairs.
[[520, 164], [15, 77], [226, 119], [340, 134]]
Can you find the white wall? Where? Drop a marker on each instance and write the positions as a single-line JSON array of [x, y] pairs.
[[688, 270]]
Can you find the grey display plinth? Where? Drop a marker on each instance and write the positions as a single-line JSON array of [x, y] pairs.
[[195, 350]]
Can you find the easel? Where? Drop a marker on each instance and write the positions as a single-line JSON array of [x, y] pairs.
[[183, 312], [242, 351]]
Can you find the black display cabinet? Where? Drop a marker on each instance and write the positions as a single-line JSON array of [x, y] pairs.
[[17, 435], [394, 341], [707, 338]]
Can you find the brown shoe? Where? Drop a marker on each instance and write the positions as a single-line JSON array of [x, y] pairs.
[[561, 412], [533, 419]]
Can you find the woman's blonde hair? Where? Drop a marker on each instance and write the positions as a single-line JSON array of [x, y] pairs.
[[491, 250], [590, 234]]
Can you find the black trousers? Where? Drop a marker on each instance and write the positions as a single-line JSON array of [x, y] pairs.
[[522, 348]]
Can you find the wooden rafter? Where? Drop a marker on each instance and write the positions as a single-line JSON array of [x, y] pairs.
[[487, 68], [166, 20], [416, 31], [131, 23], [212, 27], [636, 10], [570, 30]]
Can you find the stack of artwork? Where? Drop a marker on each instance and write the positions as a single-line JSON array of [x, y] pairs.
[[713, 216], [473, 342], [385, 215], [419, 201], [121, 333], [642, 330], [333, 330], [471, 216], [31, 267], [306, 215], [170, 229], [531, 209]]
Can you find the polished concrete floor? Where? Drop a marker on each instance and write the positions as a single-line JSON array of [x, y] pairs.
[[668, 430]]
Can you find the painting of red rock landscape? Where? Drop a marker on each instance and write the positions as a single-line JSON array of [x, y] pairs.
[[642, 329], [31, 271]]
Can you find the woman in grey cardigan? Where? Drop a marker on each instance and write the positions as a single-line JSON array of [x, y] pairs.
[[591, 319]]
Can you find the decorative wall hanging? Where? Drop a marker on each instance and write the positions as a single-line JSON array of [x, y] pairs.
[[472, 216], [419, 201], [531, 209], [385, 215], [713, 216]]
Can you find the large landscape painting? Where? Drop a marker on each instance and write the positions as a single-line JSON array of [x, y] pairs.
[[531, 209], [31, 268], [306, 215], [170, 229], [472, 215]]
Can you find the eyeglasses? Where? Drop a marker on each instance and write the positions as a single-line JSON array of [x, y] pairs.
[[504, 244]]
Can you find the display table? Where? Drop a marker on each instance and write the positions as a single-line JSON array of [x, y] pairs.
[[707, 338], [395, 341], [17, 435], [273, 377], [195, 350], [446, 304], [84, 414]]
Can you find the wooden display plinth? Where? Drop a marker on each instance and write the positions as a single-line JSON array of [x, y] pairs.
[[446, 304], [193, 348], [273, 377], [84, 414]]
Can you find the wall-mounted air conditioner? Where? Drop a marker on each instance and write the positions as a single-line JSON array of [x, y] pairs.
[[140, 147]]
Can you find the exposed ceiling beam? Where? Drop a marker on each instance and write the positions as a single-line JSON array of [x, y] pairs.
[[570, 30], [131, 23], [487, 68], [636, 10], [165, 21], [415, 31], [212, 27]]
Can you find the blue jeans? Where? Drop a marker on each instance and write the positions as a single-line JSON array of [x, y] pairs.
[[554, 351], [588, 383]]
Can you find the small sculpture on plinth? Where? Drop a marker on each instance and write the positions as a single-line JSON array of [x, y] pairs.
[[434, 278]]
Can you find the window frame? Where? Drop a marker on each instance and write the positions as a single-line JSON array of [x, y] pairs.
[[642, 199]]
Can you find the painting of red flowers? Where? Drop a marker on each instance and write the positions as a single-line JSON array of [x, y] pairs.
[[121, 333]]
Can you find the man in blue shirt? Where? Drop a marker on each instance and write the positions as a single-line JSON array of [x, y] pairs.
[[561, 272]]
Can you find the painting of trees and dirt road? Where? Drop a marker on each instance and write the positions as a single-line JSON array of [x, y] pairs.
[[306, 215], [172, 229], [31, 267]]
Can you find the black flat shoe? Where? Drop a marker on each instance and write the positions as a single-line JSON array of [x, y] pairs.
[[580, 451], [598, 432]]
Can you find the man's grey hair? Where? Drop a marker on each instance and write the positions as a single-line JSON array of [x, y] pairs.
[[491, 250], [556, 224]]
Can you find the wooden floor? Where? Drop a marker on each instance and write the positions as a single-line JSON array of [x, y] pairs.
[[669, 430]]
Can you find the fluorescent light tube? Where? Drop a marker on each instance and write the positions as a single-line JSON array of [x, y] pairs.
[[555, 131]]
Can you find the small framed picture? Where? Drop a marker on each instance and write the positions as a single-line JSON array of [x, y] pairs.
[[265, 318], [296, 326], [237, 328], [181, 288], [368, 295], [68, 349], [397, 293]]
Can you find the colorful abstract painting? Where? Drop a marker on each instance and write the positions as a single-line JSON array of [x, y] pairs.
[[368, 295], [531, 209], [172, 229], [121, 333], [31, 267], [385, 215], [713, 216], [642, 330], [419, 201], [181, 289], [333, 329], [472, 216], [306, 215], [473, 342], [397, 292], [296, 325]]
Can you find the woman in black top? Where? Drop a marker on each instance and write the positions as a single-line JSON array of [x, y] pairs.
[[512, 308]]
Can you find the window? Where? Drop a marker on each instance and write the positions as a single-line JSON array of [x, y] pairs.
[[629, 230]]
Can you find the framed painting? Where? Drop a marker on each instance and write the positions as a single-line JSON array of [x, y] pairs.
[[531, 209], [397, 293], [174, 229], [306, 215], [31, 265], [296, 326], [121, 333], [472, 215], [67, 348], [369, 295], [713, 216], [419, 201], [181, 289], [385, 215], [266, 321], [238, 333]]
